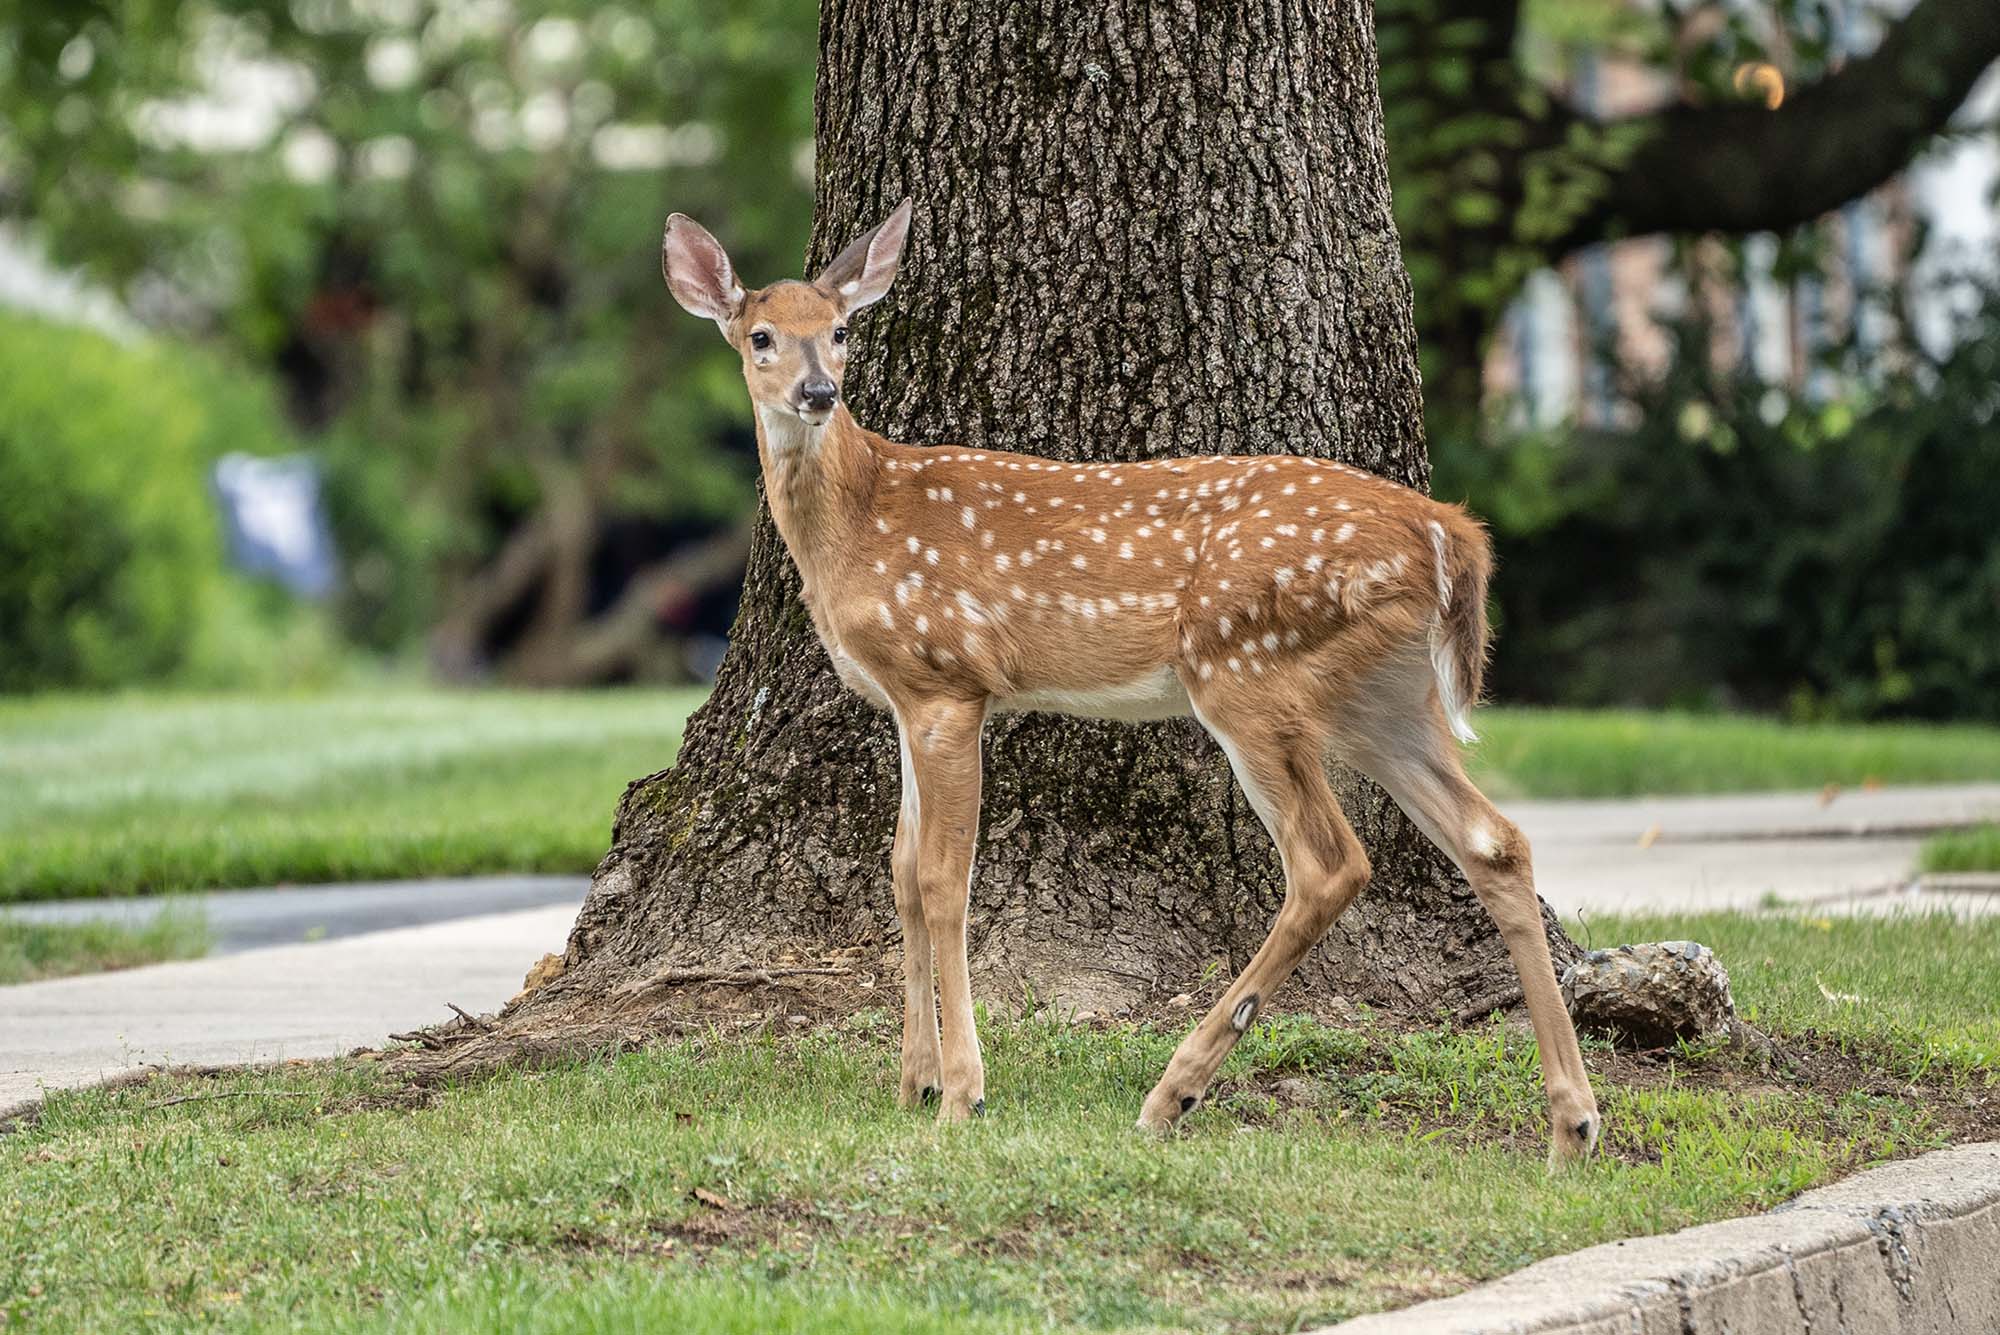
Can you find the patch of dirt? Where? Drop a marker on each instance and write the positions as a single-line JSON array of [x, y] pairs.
[[713, 1222], [791, 992], [404, 1097], [25, 1116]]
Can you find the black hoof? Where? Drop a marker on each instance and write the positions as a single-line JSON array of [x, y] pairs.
[[929, 1095], [979, 1108]]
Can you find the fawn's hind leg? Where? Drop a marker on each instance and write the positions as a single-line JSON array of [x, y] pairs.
[[1282, 769], [1412, 754]]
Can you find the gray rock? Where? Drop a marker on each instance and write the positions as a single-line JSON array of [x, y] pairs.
[[1650, 995], [1297, 1091]]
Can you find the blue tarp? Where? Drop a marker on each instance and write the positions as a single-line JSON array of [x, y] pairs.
[[275, 523]]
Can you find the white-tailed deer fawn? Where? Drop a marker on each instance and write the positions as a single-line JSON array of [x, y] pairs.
[[1297, 608]]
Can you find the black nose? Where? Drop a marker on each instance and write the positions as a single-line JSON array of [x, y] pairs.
[[819, 393]]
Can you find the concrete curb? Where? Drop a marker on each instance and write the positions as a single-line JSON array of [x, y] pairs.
[[1908, 1247], [1854, 829], [273, 1004]]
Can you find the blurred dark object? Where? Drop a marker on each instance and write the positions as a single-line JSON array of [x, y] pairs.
[[640, 618], [274, 523]]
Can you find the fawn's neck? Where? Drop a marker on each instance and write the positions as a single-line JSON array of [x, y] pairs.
[[820, 482]]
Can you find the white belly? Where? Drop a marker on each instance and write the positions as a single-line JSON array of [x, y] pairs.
[[857, 679], [1157, 694]]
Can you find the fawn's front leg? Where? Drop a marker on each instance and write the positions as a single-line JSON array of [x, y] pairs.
[[922, 1079], [941, 741]]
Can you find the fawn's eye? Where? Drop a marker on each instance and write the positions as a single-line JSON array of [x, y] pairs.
[[840, 333], [760, 340]]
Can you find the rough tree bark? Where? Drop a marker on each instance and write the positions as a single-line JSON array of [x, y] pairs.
[[1142, 228]]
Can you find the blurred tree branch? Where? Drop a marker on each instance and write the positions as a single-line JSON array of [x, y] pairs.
[[1498, 172], [1743, 167]]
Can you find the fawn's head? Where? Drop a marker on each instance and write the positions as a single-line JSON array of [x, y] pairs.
[[792, 334]]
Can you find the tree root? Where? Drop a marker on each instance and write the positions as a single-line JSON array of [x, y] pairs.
[[728, 977]]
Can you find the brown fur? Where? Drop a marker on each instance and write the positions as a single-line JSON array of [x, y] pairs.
[[1295, 606]]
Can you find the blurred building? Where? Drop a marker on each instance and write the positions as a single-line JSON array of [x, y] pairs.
[[1562, 343]]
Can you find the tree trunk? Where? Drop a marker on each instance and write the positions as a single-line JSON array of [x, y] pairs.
[[1141, 229]]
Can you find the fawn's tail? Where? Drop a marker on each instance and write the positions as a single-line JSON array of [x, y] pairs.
[[1464, 559]]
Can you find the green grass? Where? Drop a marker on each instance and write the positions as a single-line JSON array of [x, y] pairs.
[[564, 1199], [144, 793], [30, 952], [1396, 1166], [1963, 850], [1916, 993], [1617, 753]]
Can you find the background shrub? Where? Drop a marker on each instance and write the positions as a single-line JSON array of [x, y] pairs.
[[111, 567], [1738, 549]]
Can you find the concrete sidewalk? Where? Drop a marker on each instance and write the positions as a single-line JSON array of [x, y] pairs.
[[290, 915], [1730, 852], [312, 1000], [266, 1005]]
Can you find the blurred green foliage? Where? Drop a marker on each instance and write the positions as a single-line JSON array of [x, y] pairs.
[[435, 226], [110, 561], [438, 226], [1740, 547]]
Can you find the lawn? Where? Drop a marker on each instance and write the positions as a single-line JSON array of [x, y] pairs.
[[142, 793], [1626, 753], [746, 1182], [750, 1179], [32, 951], [1963, 850]]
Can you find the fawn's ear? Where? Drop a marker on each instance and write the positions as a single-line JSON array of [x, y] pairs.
[[698, 272], [861, 274]]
